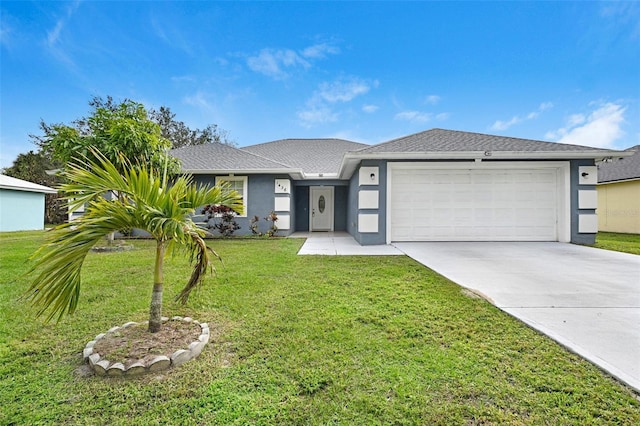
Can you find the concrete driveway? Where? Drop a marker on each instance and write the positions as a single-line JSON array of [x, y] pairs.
[[587, 299]]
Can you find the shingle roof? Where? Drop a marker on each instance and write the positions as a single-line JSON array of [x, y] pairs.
[[311, 155], [8, 182], [217, 156], [622, 169], [439, 140]]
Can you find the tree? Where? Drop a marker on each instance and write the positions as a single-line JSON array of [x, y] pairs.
[[148, 201], [33, 167], [116, 131], [181, 135]]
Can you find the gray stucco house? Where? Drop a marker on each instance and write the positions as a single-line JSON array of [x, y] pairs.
[[437, 185]]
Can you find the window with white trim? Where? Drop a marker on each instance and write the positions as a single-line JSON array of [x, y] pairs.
[[237, 183]]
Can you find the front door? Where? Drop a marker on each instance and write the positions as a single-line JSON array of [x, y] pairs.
[[321, 208]]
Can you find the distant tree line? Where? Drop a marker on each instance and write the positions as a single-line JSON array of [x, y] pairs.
[[116, 129]]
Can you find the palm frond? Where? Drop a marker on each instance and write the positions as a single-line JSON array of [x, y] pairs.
[[201, 263], [144, 201]]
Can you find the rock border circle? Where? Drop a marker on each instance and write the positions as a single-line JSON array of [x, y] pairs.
[[104, 367]]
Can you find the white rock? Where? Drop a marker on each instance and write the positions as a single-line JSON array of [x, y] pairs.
[[181, 356], [160, 362]]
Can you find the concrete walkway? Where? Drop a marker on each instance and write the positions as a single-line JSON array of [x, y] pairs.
[[586, 299], [340, 244]]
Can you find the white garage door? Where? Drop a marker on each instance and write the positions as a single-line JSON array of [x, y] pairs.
[[473, 205]]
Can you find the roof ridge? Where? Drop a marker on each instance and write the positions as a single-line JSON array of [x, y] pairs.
[[302, 139], [266, 158]]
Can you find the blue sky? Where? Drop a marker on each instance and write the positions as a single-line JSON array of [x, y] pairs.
[[363, 71]]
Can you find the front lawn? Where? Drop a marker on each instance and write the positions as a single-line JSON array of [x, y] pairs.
[[305, 340], [628, 243]]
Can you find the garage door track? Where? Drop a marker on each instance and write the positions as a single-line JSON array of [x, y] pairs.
[[587, 299]]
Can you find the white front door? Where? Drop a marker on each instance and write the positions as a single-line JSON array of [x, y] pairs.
[[321, 210]]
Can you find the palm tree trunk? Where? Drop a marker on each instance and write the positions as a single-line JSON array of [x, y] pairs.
[[155, 311]]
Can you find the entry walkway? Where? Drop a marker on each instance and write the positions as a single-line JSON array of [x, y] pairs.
[[585, 298], [340, 244]]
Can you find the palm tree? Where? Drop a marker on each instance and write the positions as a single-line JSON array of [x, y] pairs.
[[146, 201]]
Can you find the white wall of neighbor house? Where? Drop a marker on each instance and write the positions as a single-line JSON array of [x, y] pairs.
[[21, 210]]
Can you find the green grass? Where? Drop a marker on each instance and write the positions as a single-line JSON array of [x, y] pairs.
[[628, 243], [305, 340]]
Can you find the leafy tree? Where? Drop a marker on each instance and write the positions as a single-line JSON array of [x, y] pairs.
[[116, 131], [181, 135], [33, 167], [147, 202]]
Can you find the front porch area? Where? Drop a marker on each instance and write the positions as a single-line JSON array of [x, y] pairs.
[[340, 244]]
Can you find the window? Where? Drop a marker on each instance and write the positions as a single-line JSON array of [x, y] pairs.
[[237, 183]]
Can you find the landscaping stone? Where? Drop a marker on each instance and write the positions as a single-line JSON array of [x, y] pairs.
[[181, 356], [87, 352], [117, 369], [136, 369], [196, 348], [93, 359], [100, 367], [103, 367], [159, 363]]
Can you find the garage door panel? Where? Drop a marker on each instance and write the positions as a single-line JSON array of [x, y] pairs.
[[449, 205]]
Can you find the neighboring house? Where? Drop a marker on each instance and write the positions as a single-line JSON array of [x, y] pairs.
[[619, 194], [21, 204], [437, 185]]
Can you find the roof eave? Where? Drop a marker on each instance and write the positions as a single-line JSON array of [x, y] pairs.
[[43, 190], [294, 173], [350, 159], [634, 179]]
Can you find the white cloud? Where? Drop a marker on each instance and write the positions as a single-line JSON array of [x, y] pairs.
[[317, 115], [273, 63], [601, 128], [320, 51], [432, 99], [545, 106], [343, 90], [442, 116], [370, 108], [54, 35], [279, 63], [576, 119], [414, 116], [504, 125], [199, 100], [318, 108], [516, 119], [53, 40]]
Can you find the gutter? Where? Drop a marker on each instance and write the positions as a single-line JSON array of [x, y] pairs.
[[351, 159]]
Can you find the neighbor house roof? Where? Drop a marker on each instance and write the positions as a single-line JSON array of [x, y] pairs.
[[220, 158], [8, 182], [625, 168], [314, 156]]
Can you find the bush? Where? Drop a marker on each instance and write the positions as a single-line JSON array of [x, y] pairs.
[[224, 219]]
